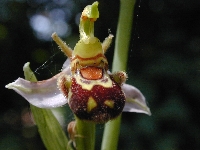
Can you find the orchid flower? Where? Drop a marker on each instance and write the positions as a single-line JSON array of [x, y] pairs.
[[93, 93], [53, 92]]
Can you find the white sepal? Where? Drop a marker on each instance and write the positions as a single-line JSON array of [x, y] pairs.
[[43, 94], [135, 101]]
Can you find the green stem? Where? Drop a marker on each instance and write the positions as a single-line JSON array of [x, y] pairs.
[[112, 128], [123, 36], [85, 139], [111, 134]]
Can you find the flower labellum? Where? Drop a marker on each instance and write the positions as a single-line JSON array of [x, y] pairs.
[[92, 92]]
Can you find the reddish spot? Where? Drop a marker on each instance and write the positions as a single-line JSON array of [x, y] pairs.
[[91, 73], [84, 17]]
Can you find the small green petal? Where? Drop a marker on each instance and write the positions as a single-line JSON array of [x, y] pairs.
[[28, 73]]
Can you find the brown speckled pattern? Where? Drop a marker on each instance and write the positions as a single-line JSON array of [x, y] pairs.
[[101, 113]]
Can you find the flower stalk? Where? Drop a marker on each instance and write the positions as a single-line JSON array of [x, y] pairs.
[[112, 128], [85, 139]]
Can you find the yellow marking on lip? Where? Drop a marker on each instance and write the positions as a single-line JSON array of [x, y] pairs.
[[91, 104], [109, 103]]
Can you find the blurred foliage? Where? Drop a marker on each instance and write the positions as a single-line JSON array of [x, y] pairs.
[[163, 63]]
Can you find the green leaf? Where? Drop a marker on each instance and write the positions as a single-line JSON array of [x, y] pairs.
[[52, 134], [50, 130]]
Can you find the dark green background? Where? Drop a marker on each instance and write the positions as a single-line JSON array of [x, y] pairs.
[[164, 63]]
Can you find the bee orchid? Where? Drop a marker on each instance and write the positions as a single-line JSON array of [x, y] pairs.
[[85, 83]]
